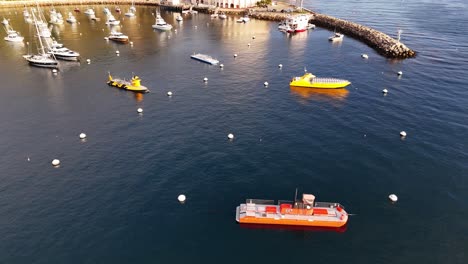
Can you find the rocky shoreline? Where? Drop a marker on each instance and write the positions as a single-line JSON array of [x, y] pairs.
[[381, 42]]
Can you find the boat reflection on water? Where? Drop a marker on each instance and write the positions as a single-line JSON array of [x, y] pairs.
[[138, 97], [320, 94], [341, 229]]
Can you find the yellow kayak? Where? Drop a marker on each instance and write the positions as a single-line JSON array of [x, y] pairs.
[[134, 85], [311, 81]]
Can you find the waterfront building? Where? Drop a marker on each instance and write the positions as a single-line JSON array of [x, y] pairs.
[[226, 3]]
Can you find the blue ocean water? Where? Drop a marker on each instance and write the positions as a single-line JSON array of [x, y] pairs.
[[114, 197]]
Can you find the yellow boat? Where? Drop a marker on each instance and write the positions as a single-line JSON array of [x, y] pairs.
[[311, 81], [134, 85]]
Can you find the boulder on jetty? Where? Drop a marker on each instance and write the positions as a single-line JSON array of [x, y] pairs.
[[382, 43]]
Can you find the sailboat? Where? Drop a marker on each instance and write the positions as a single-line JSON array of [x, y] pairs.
[[131, 11], [42, 59]]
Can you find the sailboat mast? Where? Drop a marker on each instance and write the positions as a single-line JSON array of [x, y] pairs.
[[38, 34]]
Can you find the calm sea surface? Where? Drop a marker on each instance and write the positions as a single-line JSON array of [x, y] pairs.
[[114, 197]]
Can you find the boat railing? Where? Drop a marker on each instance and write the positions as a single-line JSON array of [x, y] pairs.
[[280, 202], [259, 201], [327, 204]]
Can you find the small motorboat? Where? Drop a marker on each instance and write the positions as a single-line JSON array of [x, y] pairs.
[[117, 9], [118, 37], [133, 85], [336, 37], [25, 13], [179, 18], [305, 212], [243, 19], [214, 16], [106, 11], [77, 10], [161, 24], [222, 16], [311, 81], [5, 21]]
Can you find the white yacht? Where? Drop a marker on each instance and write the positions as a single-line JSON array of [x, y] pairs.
[[71, 18], [5, 21], [25, 13], [161, 24], [60, 52], [336, 37], [111, 20], [106, 11]]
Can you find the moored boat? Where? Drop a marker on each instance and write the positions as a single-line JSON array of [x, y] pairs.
[[118, 37], [297, 23], [204, 58], [112, 21], [71, 18], [133, 85], [61, 52], [311, 81], [305, 212], [161, 24], [336, 37]]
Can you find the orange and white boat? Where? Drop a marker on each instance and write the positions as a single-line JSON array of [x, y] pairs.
[[305, 212]]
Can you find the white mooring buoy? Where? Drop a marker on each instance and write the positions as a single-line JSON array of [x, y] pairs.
[[385, 91], [402, 134], [131, 43], [117, 52], [280, 66], [169, 93], [181, 198], [55, 162], [231, 136], [205, 79], [82, 136], [253, 37], [88, 61], [364, 56], [140, 110], [54, 71], [393, 197], [400, 73], [265, 83], [248, 44], [106, 38], [235, 55]]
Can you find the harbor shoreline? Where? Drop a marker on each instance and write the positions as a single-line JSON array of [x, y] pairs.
[[379, 41]]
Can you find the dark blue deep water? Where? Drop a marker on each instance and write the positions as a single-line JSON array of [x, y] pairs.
[[114, 197]]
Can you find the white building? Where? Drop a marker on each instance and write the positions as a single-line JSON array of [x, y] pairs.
[[227, 3]]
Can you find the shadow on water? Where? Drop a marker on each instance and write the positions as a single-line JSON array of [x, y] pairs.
[[327, 95], [296, 228]]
